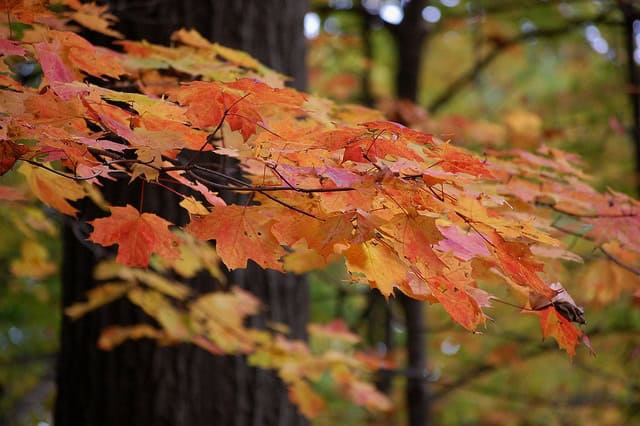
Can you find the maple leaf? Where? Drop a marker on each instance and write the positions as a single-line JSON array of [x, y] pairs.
[[360, 392], [220, 317], [516, 261], [413, 236], [87, 57], [321, 236], [94, 17], [308, 401], [457, 161], [336, 329], [52, 189], [399, 130], [53, 67], [205, 106], [461, 307], [263, 94], [10, 152], [379, 264], [34, 261], [114, 335], [241, 115], [97, 297], [463, 246], [173, 321], [241, 233], [137, 235], [566, 334]]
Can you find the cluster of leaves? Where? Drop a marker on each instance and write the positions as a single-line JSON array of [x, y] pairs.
[[406, 210]]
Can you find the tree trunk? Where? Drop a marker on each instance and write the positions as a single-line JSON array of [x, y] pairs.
[[631, 13], [140, 383], [410, 36]]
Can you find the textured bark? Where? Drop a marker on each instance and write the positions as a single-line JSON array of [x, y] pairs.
[[140, 383]]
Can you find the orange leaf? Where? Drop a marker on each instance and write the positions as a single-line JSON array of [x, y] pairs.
[[137, 235], [241, 233], [415, 235], [455, 160], [461, 306], [308, 401], [205, 106], [262, 93], [566, 334]]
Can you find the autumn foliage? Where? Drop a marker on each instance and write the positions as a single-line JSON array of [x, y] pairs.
[[407, 211]]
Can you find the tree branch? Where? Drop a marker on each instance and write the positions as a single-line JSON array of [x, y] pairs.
[[619, 262], [458, 84]]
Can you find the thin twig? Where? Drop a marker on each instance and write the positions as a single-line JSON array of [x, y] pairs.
[[65, 175]]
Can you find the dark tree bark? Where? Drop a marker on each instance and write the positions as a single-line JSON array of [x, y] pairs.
[[410, 36], [270, 30], [140, 383], [631, 13], [417, 393]]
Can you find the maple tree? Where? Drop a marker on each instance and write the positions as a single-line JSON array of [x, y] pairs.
[[408, 211]]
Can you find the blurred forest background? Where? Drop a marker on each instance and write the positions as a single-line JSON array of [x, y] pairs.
[[487, 74]]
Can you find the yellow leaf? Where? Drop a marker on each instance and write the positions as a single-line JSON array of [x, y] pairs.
[[159, 307], [33, 262], [193, 206], [379, 264], [525, 128], [52, 189], [191, 38], [97, 297], [93, 17], [111, 269], [115, 335]]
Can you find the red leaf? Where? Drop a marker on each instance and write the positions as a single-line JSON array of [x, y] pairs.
[[10, 152], [205, 107], [261, 93], [566, 334], [516, 261], [137, 235]]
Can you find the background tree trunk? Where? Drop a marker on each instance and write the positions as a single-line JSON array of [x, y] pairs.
[[140, 383], [410, 36], [631, 14]]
